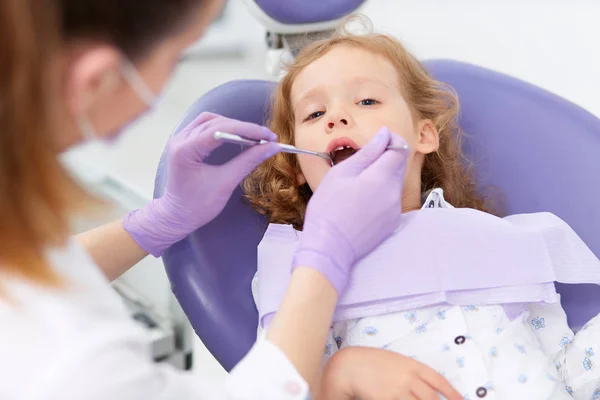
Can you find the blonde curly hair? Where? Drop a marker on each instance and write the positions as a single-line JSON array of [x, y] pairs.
[[273, 188]]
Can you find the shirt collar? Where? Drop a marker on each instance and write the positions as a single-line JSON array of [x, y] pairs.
[[435, 199]]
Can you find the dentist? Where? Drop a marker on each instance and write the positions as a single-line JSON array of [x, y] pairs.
[[72, 71]]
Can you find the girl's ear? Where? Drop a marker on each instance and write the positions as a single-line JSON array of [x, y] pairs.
[[428, 139]]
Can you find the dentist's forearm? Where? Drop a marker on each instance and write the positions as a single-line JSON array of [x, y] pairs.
[[112, 248], [302, 323]]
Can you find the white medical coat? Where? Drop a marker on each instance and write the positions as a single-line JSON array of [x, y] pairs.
[[79, 342]]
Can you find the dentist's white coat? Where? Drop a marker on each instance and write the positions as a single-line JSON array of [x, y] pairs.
[[80, 343]]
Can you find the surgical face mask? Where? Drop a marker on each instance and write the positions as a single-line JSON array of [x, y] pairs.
[[85, 162], [139, 87]]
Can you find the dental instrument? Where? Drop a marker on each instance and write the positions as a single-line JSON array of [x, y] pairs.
[[286, 148]]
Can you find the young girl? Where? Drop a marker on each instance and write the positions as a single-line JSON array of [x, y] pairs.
[[335, 96]]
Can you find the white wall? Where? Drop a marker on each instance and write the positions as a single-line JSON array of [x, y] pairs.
[[553, 44]]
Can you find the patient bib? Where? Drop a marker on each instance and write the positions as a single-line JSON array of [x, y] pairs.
[[444, 255]]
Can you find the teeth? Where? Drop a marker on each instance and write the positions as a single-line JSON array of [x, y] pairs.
[[342, 148]]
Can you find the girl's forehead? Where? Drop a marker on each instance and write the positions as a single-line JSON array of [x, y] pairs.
[[342, 66]]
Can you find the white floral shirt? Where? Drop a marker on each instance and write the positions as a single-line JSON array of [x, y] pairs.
[[481, 350]]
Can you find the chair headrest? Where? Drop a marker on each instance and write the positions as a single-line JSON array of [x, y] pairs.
[[301, 16]]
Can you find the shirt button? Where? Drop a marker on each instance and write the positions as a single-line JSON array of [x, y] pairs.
[[293, 388], [459, 340], [481, 392]]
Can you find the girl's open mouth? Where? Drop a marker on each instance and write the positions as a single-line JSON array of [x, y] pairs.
[[341, 149], [341, 153]]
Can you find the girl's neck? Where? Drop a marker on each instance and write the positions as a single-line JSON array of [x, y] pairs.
[[411, 197]]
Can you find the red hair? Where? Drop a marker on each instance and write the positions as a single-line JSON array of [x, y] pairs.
[[273, 188]]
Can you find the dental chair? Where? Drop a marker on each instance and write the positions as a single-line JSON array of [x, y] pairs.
[[539, 150]]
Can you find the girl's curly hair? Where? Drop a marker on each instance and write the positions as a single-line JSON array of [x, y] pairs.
[[273, 188]]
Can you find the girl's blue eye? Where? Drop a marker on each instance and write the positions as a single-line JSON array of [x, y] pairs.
[[368, 102], [315, 115]]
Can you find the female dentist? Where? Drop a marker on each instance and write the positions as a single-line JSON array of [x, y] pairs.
[[78, 70]]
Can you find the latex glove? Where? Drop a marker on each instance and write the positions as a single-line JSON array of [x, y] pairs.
[[196, 192], [356, 207], [376, 374]]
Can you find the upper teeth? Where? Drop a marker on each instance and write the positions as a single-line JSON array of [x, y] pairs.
[[342, 148]]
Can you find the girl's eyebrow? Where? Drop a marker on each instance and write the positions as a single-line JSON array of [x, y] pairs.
[[360, 80], [314, 91]]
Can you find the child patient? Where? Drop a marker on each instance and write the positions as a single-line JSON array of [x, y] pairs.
[[338, 93]]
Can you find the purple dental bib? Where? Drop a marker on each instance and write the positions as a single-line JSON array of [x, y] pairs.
[[456, 256]]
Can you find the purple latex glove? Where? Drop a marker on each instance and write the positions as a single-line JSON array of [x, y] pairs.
[[196, 192], [356, 207]]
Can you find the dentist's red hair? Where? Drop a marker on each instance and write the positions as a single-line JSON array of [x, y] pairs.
[[37, 195]]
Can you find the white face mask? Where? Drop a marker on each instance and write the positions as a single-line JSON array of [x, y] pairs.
[[139, 87], [85, 162]]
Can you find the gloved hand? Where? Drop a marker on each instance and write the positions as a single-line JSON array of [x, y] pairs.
[[356, 207], [196, 192]]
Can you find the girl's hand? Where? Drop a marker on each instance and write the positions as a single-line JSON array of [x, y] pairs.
[[376, 374]]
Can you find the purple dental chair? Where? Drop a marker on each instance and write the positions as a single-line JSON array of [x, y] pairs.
[[539, 150]]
